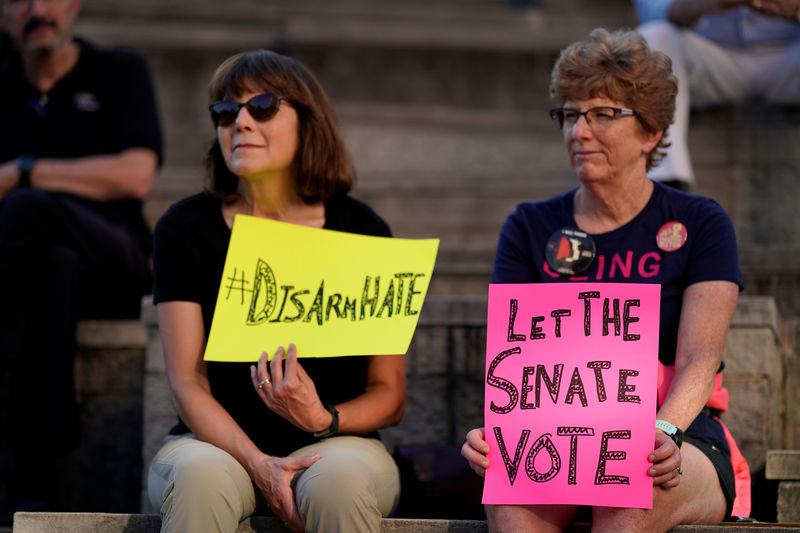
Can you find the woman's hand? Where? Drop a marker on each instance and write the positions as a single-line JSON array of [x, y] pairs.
[[475, 449], [666, 459], [273, 477], [289, 391]]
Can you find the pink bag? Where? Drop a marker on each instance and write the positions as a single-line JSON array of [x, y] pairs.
[[718, 401]]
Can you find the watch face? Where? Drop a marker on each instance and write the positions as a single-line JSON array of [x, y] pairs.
[[26, 163]]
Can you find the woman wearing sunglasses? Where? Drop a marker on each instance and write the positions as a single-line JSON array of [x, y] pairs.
[[299, 439], [616, 99]]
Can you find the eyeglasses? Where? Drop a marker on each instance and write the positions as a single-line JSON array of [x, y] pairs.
[[261, 107], [598, 118]]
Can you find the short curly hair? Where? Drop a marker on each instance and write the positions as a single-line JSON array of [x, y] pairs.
[[622, 67], [322, 165]]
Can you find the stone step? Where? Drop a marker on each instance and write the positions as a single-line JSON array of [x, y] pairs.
[[784, 465], [429, 170], [112, 523], [466, 24], [109, 382], [483, 55]]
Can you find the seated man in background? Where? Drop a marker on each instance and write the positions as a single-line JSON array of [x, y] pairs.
[[80, 145], [723, 52]]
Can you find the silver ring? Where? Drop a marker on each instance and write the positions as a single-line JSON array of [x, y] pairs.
[[263, 382], [680, 472]]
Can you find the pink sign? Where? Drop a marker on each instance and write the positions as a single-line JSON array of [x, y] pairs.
[[570, 404]]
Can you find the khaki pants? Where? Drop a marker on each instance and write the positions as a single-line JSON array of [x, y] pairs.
[[711, 75], [199, 487]]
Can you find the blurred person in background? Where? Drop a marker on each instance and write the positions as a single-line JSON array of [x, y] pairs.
[[723, 52], [80, 144]]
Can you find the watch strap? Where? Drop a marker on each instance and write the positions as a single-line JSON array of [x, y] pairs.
[[25, 164], [334, 427], [673, 431]]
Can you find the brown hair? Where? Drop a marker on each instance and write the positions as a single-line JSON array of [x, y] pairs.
[[322, 166], [620, 66]]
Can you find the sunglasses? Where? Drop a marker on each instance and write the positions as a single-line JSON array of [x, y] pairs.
[[261, 107]]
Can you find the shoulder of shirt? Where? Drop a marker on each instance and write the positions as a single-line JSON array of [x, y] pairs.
[[345, 207], [188, 210], [687, 203], [544, 208], [117, 58]]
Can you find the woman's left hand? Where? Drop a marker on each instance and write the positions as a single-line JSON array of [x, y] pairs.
[[666, 459], [289, 391]]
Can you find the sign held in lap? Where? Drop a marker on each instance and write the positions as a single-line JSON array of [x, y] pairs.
[[570, 403]]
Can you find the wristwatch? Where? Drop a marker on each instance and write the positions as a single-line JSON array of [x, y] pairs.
[[334, 423], [25, 164], [674, 432]]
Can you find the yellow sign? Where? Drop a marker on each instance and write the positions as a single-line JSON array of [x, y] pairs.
[[329, 292]]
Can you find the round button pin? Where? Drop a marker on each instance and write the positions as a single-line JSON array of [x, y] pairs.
[[671, 236], [570, 251]]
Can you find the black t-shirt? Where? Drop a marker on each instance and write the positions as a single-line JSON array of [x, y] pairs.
[[190, 245], [104, 105]]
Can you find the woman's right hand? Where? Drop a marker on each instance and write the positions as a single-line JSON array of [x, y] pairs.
[[289, 391], [273, 477], [475, 450]]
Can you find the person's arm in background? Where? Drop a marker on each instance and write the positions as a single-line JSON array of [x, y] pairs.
[[683, 13], [128, 169], [129, 174]]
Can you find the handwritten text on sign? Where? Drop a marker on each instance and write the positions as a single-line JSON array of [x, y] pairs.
[[570, 393], [331, 293]]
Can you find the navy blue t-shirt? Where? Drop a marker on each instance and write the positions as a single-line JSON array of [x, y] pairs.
[[628, 254]]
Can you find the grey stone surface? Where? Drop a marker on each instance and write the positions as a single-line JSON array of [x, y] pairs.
[[789, 501], [754, 375], [783, 465], [143, 523], [159, 414], [111, 334], [791, 386], [109, 368]]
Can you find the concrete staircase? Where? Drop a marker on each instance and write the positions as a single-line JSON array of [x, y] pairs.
[[97, 522]]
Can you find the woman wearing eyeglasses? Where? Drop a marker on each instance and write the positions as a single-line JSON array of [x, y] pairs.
[[297, 438], [616, 99]]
